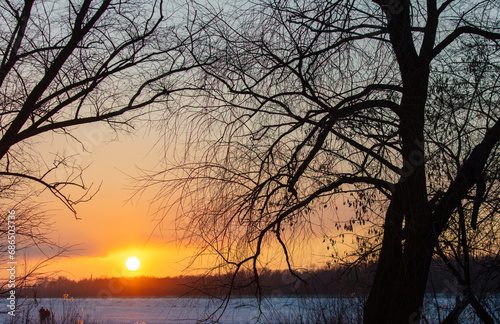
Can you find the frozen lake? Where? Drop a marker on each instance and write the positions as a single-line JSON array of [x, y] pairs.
[[169, 310], [191, 310], [138, 310]]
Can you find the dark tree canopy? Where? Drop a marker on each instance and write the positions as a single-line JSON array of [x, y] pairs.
[[67, 63], [70, 63], [395, 102]]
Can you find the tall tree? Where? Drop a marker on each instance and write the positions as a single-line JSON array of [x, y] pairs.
[[392, 101]]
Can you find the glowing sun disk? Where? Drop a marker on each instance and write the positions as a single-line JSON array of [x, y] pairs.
[[133, 263]]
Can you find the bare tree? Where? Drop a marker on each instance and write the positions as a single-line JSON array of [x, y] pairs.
[[64, 64], [389, 106], [33, 230]]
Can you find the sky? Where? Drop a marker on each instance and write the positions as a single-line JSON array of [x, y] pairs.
[[116, 224]]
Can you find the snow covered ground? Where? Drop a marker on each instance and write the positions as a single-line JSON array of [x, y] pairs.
[[191, 310]]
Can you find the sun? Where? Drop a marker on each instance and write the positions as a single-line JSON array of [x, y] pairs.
[[133, 263]]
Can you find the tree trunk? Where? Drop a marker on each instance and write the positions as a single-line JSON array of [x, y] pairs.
[[411, 281], [390, 261], [399, 286], [398, 289]]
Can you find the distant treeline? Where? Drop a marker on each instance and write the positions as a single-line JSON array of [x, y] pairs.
[[338, 280]]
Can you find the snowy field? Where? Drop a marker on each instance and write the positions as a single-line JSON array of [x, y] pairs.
[[192, 310]]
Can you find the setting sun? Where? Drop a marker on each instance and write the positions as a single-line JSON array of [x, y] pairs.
[[133, 263]]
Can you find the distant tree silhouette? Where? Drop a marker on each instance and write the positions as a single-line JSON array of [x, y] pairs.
[[388, 106]]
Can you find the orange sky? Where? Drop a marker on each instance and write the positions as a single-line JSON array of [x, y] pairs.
[[111, 227]]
